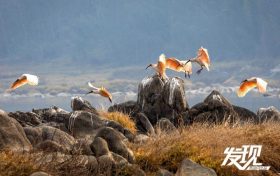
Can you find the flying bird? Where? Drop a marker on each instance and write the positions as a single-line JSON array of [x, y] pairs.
[[160, 67], [24, 79], [249, 84], [202, 59], [101, 91], [179, 66]]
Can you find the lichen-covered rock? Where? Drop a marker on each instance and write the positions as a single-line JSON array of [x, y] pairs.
[[12, 136]]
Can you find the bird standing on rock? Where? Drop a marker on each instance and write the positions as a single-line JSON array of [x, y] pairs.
[[160, 67], [249, 84], [202, 59], [24, 79], [101, 91], [179, 66]]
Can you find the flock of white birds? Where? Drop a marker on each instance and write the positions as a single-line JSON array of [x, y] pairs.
[[202, 59]]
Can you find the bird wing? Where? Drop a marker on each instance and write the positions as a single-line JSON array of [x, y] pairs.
[[174, 64], [261, 84], [32, 79], [22, 80], [245, 87], [90, 85], [203, 56]]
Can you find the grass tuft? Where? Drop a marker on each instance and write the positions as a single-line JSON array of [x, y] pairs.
[[123, 119], [205, 145]]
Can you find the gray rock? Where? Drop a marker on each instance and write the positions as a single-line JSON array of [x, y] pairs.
[[162, 98], [115, 143], [129, 107], [82, 147], [165, 125], [12, 136], [217, 109], [38, 135], [144, 125], [268, 114], [79, 104], [113, 124], [190, 168], [99, 147], [82, 124], [26, 118], [163, 172]]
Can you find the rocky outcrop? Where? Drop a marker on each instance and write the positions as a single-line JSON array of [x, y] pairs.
[[190, 168], [12, 136], [26, 118], [268, 114], [79, 104], [159, 98], [115, 143], [217, 109], [83, 123], [49, 139], [129, 107]]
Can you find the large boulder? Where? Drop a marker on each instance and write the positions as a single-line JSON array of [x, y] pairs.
[[217, 109], [49, 138], [82, 124], [159, 98], [268, 114], [12, 136], [143, 124], [115, 143], [79, 104], [190, 168], [99, 147], [129, 107], [26, 118]]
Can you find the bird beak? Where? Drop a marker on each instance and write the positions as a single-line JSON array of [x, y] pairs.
[[110, 100], [148, 66], [187, 62], [89, 92]]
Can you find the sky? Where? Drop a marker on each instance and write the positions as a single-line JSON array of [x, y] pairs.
[[69, 42]]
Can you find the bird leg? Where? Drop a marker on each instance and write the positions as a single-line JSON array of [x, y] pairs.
[[189, 75], [89, 92], [199, 71]]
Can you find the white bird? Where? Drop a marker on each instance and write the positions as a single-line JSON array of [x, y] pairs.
[[32, 80], [160, 67], [202, 59], [179, 66], [249, 84], [101, 91]]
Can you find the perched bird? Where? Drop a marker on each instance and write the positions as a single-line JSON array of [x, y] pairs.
[[249, 84], [202, 59], [24, 79], [101, 91], [179, 66], [160, 67]]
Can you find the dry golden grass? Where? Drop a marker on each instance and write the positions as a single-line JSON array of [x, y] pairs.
[[121, 118], [16, 164], [205, 145]]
